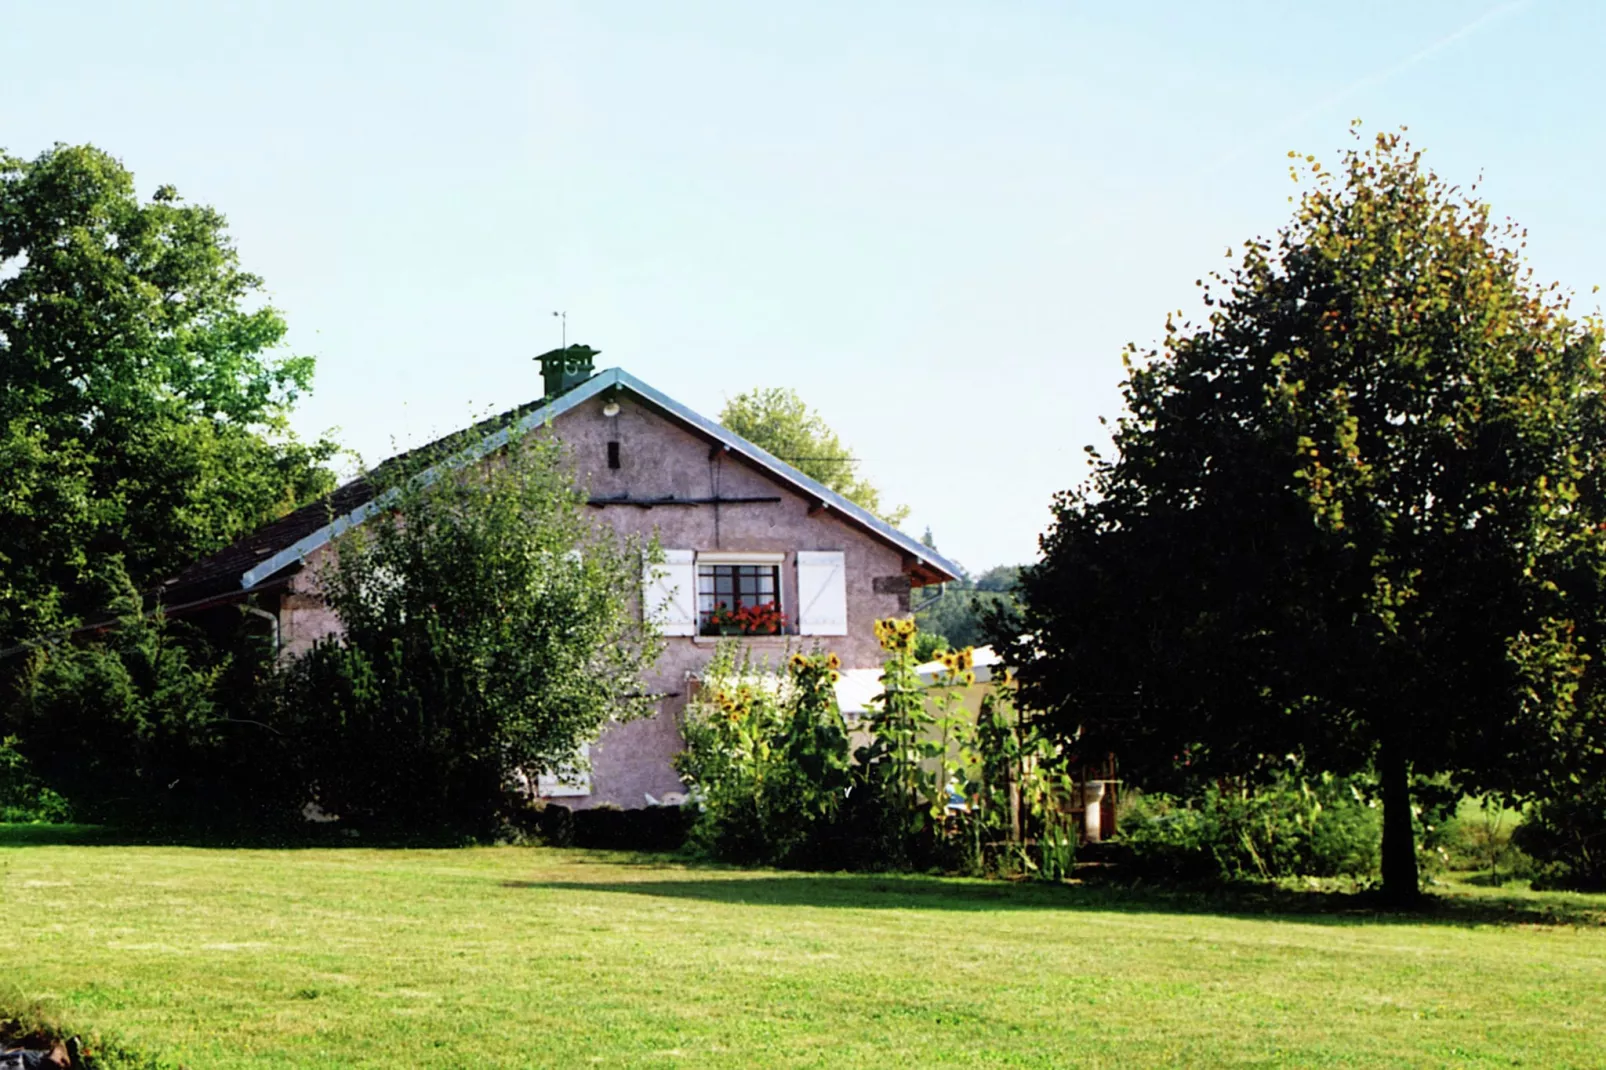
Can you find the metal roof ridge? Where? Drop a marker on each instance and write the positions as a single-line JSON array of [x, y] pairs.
[[610, 378], [830, 497]]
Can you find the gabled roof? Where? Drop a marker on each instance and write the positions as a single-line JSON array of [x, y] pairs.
[[257, 558]]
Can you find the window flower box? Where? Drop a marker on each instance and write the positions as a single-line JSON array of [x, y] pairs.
[[763, 618]]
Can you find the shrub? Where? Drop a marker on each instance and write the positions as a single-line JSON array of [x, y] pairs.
[[22, 797], [128, 724], [766, 755], [648, 828], [1566, 836], [1480, 835], [1292, 826]]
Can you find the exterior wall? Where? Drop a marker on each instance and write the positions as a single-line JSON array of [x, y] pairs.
[[304, 617], [659, 458]]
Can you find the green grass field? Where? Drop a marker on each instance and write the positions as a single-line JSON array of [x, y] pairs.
[[526, 957]]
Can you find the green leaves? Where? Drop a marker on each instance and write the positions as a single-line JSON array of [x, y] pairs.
[[1358, 510], [489, 632], [777, 419], [142, 412], [766, 755]]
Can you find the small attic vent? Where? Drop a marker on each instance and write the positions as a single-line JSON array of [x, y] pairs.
[[564, 369]]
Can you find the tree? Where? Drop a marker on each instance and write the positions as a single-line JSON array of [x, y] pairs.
[[1355, 516], [777, 420], [956, 616], [132, 723], [489, 630], [142, 413]]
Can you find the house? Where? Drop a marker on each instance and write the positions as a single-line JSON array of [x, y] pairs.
[[737, 526]]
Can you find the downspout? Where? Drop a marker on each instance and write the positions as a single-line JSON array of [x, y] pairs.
[[271, 618], [932, 600]]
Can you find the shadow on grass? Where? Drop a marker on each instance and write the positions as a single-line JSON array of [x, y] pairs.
[[221, 838], [867, 891], [884, 892]]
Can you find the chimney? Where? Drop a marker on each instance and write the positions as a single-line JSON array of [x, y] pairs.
[[564, 369]]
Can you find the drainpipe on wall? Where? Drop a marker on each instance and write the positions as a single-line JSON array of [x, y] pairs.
[[271, 618], [931, 600]]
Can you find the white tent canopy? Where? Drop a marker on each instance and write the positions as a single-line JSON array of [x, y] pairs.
[[858, 688]]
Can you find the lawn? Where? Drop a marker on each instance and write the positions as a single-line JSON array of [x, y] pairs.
[[523, 957]]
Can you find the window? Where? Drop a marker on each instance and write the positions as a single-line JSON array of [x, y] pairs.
[[570, 782], [739, 597]]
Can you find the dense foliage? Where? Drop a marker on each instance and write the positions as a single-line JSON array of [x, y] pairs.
[[489, 631], [139, 722], [931, 783], [142, 412], [1292, 825], [22, 796], [958, 614], [777, 419], [1355, 517], [766, 756], [1566, 835]]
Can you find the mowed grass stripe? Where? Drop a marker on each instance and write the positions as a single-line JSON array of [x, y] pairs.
[[514, 957]]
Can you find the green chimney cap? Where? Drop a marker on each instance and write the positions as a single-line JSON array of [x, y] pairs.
[[564, 369]]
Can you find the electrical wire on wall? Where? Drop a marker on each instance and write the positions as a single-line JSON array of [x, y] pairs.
[[716, 462]]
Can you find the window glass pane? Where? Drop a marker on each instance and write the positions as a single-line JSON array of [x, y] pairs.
[[736, 586]]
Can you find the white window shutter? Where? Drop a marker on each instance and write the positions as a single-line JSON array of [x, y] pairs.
[[669, 592], [822, 593], [551, 786]]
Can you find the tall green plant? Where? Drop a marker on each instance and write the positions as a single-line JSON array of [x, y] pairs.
[[1017, 787], [22, 796], [766, 756], [130, 723], [489, 629], [895, 768]]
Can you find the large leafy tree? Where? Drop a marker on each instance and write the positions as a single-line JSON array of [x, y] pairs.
[[778, 420], [1354, 516], [490, 629], [142, 406]]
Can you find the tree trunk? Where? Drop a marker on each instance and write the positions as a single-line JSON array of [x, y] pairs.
[[1400, 887]]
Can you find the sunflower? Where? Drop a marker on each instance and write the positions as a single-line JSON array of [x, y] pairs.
[[965, 659], [832, 661], [797, 662]]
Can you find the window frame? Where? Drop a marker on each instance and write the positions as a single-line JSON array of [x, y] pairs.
[[708, 567]]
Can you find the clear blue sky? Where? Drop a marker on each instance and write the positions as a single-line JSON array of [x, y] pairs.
[[940, 222]]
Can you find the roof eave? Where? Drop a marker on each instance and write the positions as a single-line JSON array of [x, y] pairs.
[[939, 568], [920, 561]]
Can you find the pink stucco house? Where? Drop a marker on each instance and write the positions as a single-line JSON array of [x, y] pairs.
[[737, 525]]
